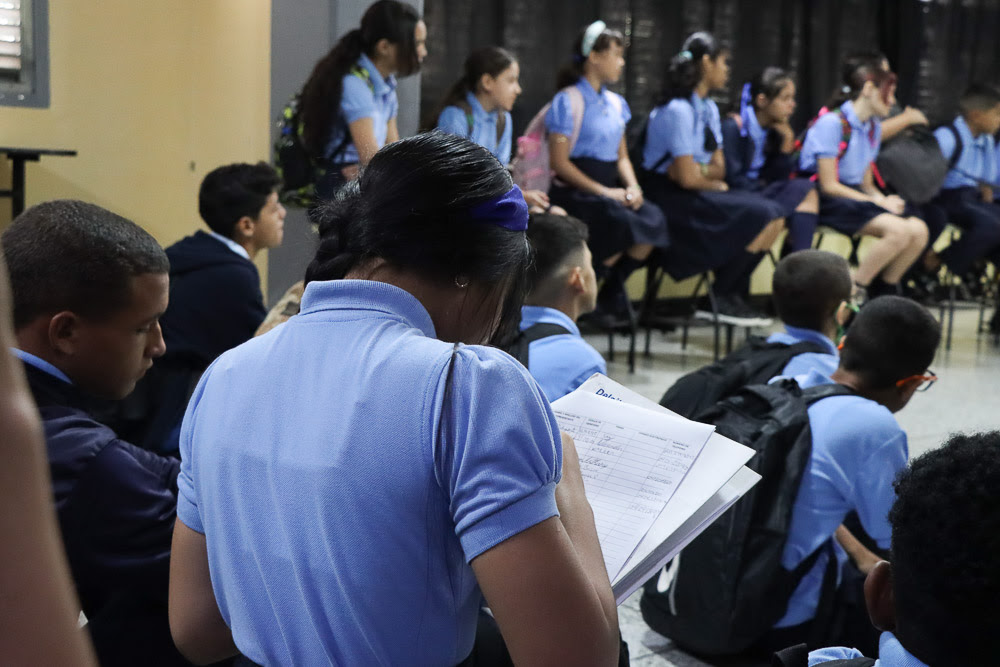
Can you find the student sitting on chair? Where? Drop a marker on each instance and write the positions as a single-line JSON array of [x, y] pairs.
[[857, 450], [562, 286], [88, 288], [937, 600], [966, 198]]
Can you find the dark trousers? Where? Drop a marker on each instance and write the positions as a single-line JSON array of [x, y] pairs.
[[979, 222]]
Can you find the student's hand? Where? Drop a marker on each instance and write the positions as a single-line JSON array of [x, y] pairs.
[[633, 197], [915, 116], [350, 172], [616, 194], [787, 135], [986, 193], [557, 210], [894, 204], [536, 199], [721, 186]]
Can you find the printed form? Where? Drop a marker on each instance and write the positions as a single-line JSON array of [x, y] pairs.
[[632, 460]]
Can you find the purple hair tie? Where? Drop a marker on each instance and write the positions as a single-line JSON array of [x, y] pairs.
[[509, 211], [746, 108]]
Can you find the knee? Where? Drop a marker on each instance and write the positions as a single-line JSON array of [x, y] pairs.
[[918, 231], [811, 203]]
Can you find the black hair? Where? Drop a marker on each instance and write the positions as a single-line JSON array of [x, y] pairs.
[[71, 255], [554, 239], [769, 82], [572, 72], [684, 69], [891, 338], [319, 102], [857, 71], [979, 97], [945, 546], [233, 191], [410, 207], [809, 286]]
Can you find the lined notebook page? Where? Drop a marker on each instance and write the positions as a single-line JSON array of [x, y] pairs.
[[632, 460]]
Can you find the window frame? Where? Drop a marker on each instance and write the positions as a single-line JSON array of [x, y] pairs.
[[32, 90]]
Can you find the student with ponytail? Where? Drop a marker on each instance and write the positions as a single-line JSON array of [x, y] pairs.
[[839, 148], [596, 180], [402, 469], [759, 145], [347, 107], [684, 171], [478, 108]]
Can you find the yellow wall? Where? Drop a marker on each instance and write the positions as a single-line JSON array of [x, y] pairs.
[[153, 95]]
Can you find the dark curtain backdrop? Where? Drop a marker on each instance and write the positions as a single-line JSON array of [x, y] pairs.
[[937, 47]]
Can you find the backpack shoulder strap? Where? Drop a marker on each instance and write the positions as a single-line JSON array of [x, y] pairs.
[[576, 105], [793, 656], [469, 120], [956, 154], [821, 391], [845, 134], [363, 74], [501, 124], [519, 349]]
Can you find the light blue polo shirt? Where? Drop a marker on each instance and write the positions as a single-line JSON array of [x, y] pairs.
[[340, 520], [801, 364], [824, 137], [361, 100], [890, 654], [484, 127], [678, 128], [604, 117], [978, 161], [758, 137], [563, 362], [40, 364], [858, 448]]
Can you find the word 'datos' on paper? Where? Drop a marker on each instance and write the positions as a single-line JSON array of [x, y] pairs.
[[632, 461]]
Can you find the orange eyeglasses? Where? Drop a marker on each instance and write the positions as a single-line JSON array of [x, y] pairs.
[[926, 381]]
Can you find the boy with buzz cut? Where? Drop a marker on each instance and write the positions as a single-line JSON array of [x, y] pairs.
[[937, 599], [215, 296], [966, 199], [562, 287], [88, 289]]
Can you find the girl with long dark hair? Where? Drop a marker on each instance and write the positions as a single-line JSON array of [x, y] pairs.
[[684, 171], [348, 105], [357, 480]]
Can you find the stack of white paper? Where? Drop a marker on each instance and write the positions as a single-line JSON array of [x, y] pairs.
[[654, 479]]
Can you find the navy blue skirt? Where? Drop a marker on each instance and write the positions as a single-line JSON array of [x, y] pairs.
[[613, 228], [788, 193], [708, 229], [848, 216]]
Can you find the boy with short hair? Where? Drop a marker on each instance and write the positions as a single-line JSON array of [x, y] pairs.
[[88, 289], [966, 199], [938, 599], [562, 287], [857, 450]]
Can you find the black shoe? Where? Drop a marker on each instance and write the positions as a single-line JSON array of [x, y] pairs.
[[613, 307], [732, 309]]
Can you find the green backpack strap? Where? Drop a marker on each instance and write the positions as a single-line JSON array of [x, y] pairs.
[[469, 120], [363, 74]]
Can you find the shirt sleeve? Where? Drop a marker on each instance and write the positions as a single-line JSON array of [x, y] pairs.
[[559, 119], [833, 653], [357, 100], [946, 141], [506, 141], [499, 455], [823, 138], [453, 121], [626, 109], [187, 488], [674, 129], [874, 493], [393, 105]]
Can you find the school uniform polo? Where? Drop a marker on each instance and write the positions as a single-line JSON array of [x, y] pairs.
[[374, 98], [824, 137], [858, 448], [341, 502], [825, 362], [678, 128], [563, 362], [890, 654], [977, 163], [605, 115], [484, 127], [758, 138]]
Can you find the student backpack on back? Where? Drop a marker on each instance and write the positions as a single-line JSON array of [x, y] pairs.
[[727, 588], [298, 169], [798, 656], [755, 363], [530, 168]]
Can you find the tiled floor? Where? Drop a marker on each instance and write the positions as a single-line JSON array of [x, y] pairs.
[[964, 399]]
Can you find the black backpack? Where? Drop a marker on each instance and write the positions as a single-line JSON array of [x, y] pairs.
[[729, 587], [519, 349], [798, 656], [913, 166], [298, 168], [755, 363]]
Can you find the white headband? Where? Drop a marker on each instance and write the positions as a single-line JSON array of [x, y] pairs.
[[590, 36]]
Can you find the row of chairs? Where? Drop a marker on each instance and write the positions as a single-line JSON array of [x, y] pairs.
[[650, 314]]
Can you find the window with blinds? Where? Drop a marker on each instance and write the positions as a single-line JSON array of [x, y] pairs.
[[12, 25]]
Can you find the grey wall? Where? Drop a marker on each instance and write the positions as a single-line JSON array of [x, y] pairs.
[[302, 31]]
